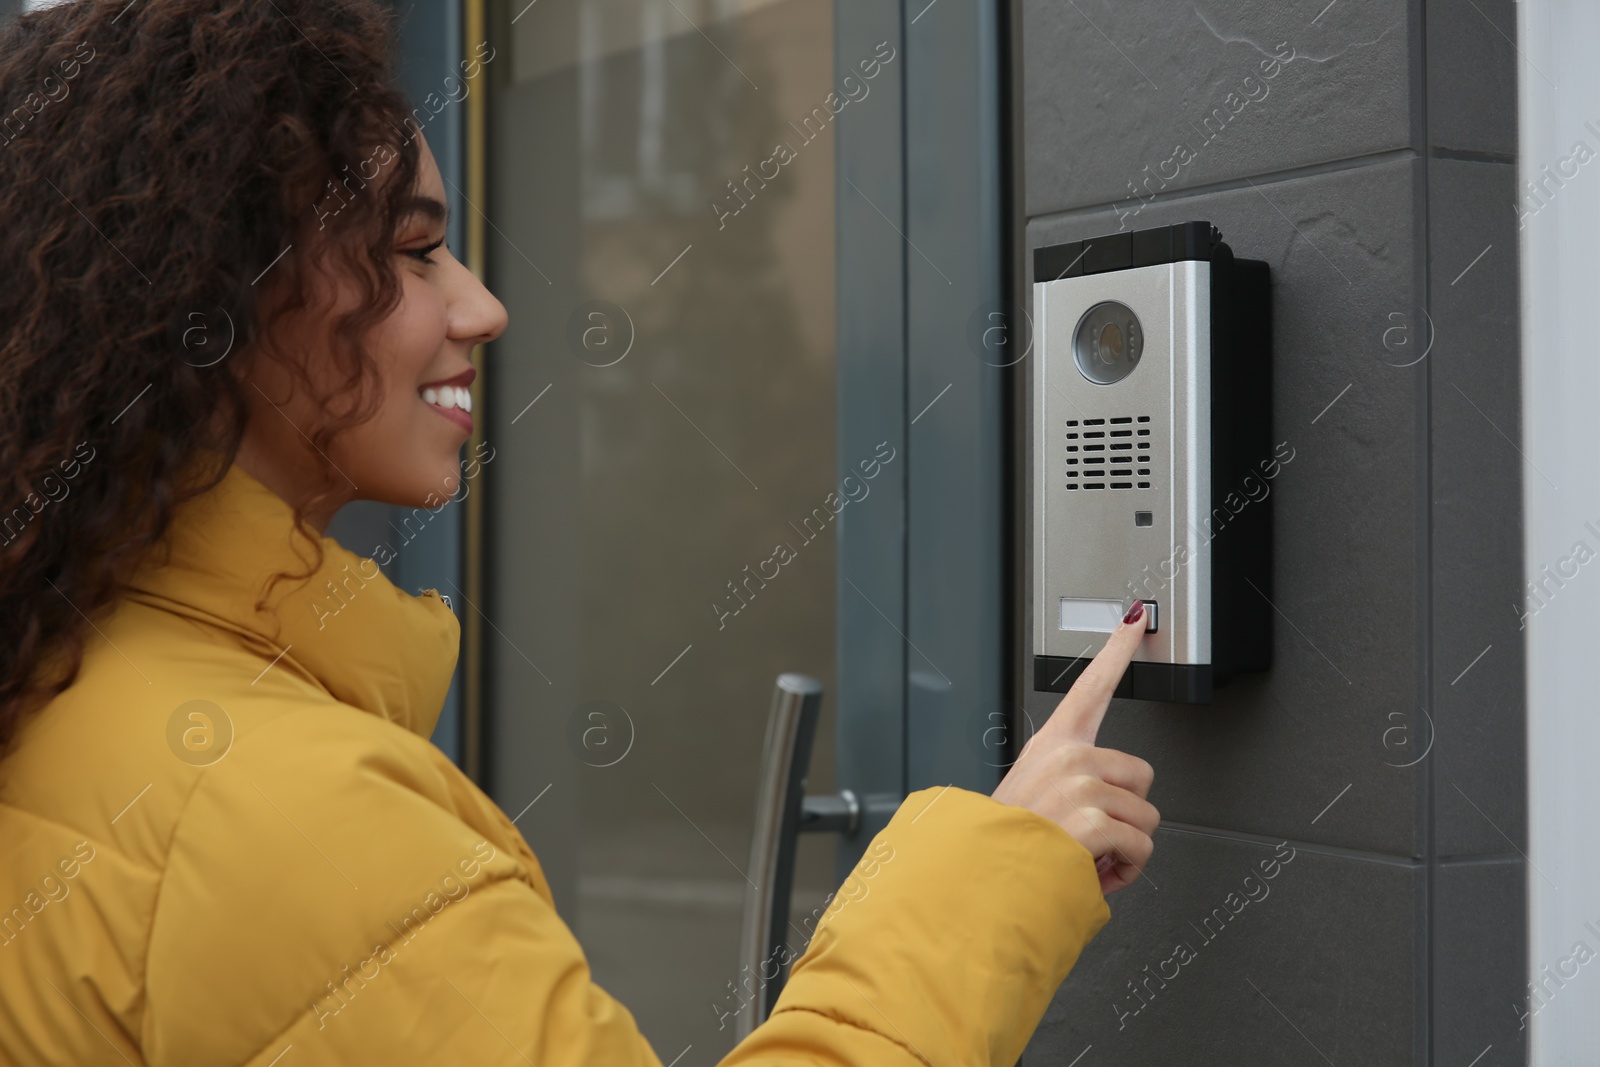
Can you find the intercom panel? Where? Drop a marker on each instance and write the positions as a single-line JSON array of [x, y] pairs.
[[1152, 411]]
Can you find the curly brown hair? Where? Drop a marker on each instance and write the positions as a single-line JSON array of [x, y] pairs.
[[157, 161]]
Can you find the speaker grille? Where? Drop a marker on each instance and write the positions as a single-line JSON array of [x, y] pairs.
[[1109, 453]]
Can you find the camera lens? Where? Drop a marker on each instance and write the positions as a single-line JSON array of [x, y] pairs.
[[1108, 342]]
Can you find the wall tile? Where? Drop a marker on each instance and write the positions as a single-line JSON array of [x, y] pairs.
[[1472, 75], [1112, 89], [1480, 962], [1313, 964], [1478, 708]]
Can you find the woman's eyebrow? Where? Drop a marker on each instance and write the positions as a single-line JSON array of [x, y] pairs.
[[433, 209]]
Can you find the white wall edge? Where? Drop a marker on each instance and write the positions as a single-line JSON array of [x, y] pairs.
[[1558, 108]]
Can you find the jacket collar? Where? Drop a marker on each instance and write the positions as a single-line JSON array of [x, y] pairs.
[[348, 629]]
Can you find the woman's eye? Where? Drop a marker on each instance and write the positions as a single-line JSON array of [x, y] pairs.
[[423, 253]]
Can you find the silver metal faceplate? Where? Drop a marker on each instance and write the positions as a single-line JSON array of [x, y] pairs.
[[1085, 543]]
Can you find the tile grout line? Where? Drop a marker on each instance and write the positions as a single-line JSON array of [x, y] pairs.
[[1224, 185]]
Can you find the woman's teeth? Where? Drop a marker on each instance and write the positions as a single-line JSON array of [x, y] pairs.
[[449, 396]]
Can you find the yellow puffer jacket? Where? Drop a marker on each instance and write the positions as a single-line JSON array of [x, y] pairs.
[[232, 843]]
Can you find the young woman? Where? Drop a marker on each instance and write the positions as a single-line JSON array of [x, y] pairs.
[[227, 839]]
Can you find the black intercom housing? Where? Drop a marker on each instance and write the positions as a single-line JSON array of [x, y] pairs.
[[1196, 324]]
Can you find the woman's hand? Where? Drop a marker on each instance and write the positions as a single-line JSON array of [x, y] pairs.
[[1095, 794]]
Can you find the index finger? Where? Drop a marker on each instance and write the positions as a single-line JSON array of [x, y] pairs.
[[1084, 706]]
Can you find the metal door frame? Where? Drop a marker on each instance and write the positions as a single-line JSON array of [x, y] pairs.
[[926, 246]]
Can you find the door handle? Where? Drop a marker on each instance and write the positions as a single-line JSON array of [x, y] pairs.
[[783, 813]]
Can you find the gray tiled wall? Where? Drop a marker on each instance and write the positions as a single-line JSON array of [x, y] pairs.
[[1374, 170]]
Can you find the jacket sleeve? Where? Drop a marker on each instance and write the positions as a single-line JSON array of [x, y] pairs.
[[363, 903], [944, 946]]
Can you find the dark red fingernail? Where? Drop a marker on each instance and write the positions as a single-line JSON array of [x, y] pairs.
[[1135, 613]]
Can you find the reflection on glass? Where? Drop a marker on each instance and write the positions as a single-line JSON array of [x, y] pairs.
[[661, 540]]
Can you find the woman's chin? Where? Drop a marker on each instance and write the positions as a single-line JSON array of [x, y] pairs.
[[443, 487], [430, 490]]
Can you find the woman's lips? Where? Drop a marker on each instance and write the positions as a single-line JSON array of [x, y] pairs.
[[464, 379], [461, 418], [451, 398]]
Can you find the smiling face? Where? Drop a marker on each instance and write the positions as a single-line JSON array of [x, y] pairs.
[[408, 453]]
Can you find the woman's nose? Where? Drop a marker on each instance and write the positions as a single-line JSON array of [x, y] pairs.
[[476, 313]]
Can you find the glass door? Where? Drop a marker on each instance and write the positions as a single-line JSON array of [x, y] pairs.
[[750, 417], [662, 503]]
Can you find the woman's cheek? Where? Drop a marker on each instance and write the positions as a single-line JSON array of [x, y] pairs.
[[425, 316], [411, 340]]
